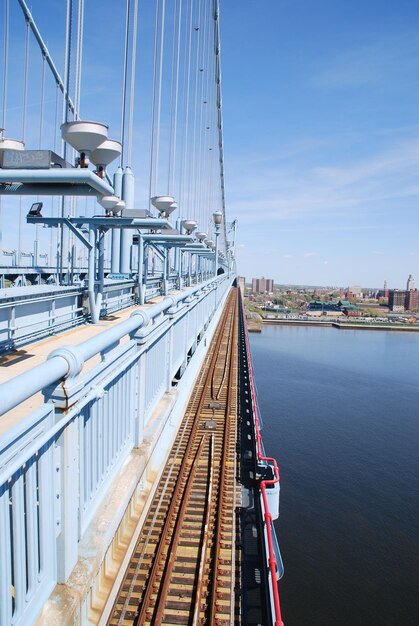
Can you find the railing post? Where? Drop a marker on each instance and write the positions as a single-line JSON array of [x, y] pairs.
[[67, 540]]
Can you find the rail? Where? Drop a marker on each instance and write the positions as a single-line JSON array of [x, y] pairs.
[[31, 313], [272, 562], [190, 525]]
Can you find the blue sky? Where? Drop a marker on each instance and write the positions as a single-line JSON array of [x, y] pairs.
[[321, 128]]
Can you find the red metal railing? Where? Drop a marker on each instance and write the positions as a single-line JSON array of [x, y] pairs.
[[273, 566]]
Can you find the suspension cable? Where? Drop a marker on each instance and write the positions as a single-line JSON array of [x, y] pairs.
[[172, 89], [41, 113], [25, 81], [156, 179], [79, 57], [186, 97], [153, 101], [179, 30], [192, 187], [132, 82], [124, 78], [44, 50], [6, 61]]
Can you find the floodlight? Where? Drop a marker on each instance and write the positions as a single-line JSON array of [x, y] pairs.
[[35, 210]]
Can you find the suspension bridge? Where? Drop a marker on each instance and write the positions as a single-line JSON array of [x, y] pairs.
[[134, 487]]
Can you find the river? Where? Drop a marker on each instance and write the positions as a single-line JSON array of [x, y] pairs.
[[341, 414]]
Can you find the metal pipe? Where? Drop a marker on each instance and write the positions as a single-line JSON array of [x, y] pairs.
[[128, 189], [101, 272], [116, 234], [91, 275], [70, 175], [141, 277]]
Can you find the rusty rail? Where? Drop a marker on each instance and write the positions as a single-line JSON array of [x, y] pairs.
[[182, 570]]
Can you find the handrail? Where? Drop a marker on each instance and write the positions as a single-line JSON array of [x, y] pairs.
[[68, 361], [264, 483]]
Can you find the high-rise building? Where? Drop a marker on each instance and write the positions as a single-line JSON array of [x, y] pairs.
[[242, 283], [396, 300], [261, 285], [411, 285]]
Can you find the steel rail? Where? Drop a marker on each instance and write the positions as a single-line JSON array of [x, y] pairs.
[[199, 591], [218, 531], [142, 617], [142, 579], [169, 565]]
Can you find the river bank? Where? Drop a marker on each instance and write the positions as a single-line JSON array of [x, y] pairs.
[[340, 325]]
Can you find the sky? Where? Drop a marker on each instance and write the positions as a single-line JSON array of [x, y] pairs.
[[321, 129]]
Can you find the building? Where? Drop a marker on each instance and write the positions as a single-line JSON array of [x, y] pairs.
[[396, 300], [262, 285], [408, 300], [411, 285], [354, 291], [242, 283], [411, 300]]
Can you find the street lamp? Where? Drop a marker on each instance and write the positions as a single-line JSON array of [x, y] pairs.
[[218, 218]]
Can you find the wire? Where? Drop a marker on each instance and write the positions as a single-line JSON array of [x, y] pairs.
[[124, 79], [172, 89], [156, 179], [176, 96], [25, 81], [79, 57], [6, 61], [132, 83], [153, 102]]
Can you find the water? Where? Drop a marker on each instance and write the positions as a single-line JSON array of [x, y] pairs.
[[341, 415]]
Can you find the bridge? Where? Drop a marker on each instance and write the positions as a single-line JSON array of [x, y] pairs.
[[134, 487]]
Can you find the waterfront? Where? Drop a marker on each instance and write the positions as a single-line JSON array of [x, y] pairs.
[[340, 414]]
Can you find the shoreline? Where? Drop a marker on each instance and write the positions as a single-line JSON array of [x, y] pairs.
[[341, 325]]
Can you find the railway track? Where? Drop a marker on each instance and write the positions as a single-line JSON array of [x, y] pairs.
[[182, 571]]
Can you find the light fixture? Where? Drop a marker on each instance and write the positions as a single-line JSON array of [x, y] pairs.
[[164, 204], [218, 218], [189, 226], [35, 210]]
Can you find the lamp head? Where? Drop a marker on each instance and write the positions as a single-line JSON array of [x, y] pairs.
[[218, 218], [35, 210]]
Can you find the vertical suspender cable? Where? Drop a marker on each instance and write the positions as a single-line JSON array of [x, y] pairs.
[[25, 104], [179, 34], [65, 111], [5, 72], [156, 179], [53, 260], [79, 57], [41, 125], [124, 79], [192, 187], [172, 97], [153, 101], [188, 75], [5, 61], [25, 81], [41, 121], [132, 82], [202, 126]]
